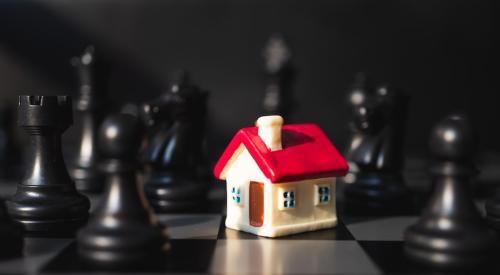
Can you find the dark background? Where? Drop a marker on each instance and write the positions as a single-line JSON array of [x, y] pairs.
[[442, 53]]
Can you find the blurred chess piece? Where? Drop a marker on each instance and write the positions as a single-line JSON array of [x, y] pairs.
[[120, 233], [10, 153], [450, 233], [376, 149], [91, 107], [492, 208], [361, 90], [175, 161], [279, 77]]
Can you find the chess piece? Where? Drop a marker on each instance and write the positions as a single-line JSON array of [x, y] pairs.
[[120, 233], [10, 236], [176, 171], [46, 200], [361, 89], [279, 76], [450, 233], [376, 150], [492, 208], [93, 73], [9, 151]]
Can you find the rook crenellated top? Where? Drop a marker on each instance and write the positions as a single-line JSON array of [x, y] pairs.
[[45, 111]]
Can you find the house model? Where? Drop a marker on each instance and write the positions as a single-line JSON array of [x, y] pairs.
[[280, 178]]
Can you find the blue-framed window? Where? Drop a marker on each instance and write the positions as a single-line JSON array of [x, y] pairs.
[[288, 200], [236, 195], [324, 194]]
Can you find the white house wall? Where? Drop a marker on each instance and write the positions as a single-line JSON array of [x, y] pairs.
[[243, 170], [305, 217], [305, 211]]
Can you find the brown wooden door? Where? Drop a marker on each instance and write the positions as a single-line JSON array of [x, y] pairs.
[[256, 204]]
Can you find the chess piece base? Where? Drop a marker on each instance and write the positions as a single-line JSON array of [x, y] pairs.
[[120, 249], [168, 194], [50, 209], [450, 250], [378, 193]]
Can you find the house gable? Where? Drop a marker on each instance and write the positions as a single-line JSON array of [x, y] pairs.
[[244, 168], [307, 154]]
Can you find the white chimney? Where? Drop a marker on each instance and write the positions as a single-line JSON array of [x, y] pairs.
[[270, 131]]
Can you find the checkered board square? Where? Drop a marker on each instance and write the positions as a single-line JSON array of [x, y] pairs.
[[201, 244]]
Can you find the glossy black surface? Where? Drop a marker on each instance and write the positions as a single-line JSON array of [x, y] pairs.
[[120, 232], [450, 233], [46, 200], [91, 107], [174, 156], [279, 77], [376, 148]]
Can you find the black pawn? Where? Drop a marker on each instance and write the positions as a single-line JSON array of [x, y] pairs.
[[450, 233], [120, 233], [46, 199], [93, 74]]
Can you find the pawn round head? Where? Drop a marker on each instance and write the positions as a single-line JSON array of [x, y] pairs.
[[453, 138], [120, 136]]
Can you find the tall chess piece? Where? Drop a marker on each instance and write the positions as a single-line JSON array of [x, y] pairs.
[[46, 200], [10, 155], [450, 233], [279, 76], [376, 149], [120, 233], [10, 236], [492, 208], [93, 73], [176, 171]]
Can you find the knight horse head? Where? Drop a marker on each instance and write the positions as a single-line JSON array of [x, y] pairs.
[[182, 101]]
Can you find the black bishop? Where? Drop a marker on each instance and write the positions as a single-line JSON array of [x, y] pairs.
[[93, 74]]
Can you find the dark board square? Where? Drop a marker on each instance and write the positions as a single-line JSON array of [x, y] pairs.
[[184, 256], [391, 259], [340, 232], [406, 207]]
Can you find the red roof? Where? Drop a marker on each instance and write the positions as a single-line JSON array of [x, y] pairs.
[[307, 154]]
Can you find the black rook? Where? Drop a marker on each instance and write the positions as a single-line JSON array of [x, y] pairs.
[[46, 199]]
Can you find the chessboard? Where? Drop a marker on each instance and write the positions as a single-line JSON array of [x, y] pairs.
[[200, 243]]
